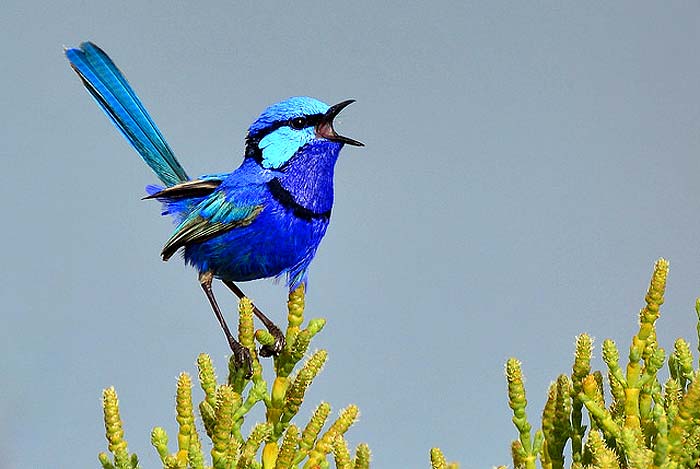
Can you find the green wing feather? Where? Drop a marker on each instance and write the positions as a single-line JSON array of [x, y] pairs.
[[213, 216]]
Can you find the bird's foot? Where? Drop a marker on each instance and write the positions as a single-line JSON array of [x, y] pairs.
[[277, 346], [241, 358]]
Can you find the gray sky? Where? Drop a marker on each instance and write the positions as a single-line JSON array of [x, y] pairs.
[[526, 163]]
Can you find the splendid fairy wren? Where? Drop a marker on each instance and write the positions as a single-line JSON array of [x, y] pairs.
[[264, 219]]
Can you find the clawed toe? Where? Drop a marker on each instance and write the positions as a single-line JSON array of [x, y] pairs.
[[275, 348], [242, 358]]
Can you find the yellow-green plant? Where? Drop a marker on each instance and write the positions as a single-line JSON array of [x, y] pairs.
[[644, 424], [225, 405]]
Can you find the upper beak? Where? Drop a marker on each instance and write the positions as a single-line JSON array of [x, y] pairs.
[[325, 128]]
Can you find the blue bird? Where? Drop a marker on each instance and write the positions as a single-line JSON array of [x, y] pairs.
[[264, 219]]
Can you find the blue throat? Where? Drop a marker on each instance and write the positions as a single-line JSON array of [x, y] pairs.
[[304, 184]]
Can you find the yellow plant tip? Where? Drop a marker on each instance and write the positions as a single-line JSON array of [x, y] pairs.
[[517, 454], [580, 378], [654, 363], [183, 396], [109, 397], [611, 355], [226, 402], [185, 416], [518, 403], [246, 328], [159, 440], [661, 268], [313, 428], [295, 393], [207, 378], [582, 356], [513, 370], [672, 396], [315, 326], [113, 427], [548, 413], [299, 347], [104, 461], [298, 293], [245, 305], [600, 389], [316, 361], [302, 340], [362, 456], [655, 294], [347, 417], [556, 425], [184, 380], [686, 419], [683, 360], [295, 307], [285, 457], [437, 459], [341, 454], [259, 433], [324, 444], [264, 337], [208, 417], [516, 389], [203, 359]]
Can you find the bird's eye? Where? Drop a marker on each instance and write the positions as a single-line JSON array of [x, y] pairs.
[[297, 123]]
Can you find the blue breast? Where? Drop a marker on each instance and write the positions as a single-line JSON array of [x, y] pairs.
[[297, 201]]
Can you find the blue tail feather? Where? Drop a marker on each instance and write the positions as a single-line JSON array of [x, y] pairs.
[[112, 92]]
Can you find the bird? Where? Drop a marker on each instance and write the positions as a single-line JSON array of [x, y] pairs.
[[264, 219]]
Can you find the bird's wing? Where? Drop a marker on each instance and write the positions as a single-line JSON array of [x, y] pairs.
[[214, 215]]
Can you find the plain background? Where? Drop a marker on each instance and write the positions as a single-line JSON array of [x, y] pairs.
[[526, 163]]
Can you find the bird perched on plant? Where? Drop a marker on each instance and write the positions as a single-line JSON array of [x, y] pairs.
[[264, 219]]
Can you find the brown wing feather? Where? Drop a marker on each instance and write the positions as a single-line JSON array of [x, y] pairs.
[[186, 190]]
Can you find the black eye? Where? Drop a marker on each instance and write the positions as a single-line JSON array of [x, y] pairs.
[[298, 123]]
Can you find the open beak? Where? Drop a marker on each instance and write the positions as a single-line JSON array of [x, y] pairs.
[[325, 128]]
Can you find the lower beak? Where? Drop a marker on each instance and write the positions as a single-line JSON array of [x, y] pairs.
[[325, 128]]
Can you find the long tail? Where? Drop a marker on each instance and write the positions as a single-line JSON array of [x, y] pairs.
[[112, 92]]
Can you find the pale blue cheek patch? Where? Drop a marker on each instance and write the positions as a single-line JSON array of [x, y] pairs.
[[279, 146]]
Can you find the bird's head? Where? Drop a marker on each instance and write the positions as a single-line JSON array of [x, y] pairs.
[[286, 127]]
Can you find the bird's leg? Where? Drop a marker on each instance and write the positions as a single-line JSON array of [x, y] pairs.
[[265, 350], [241, 354]]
